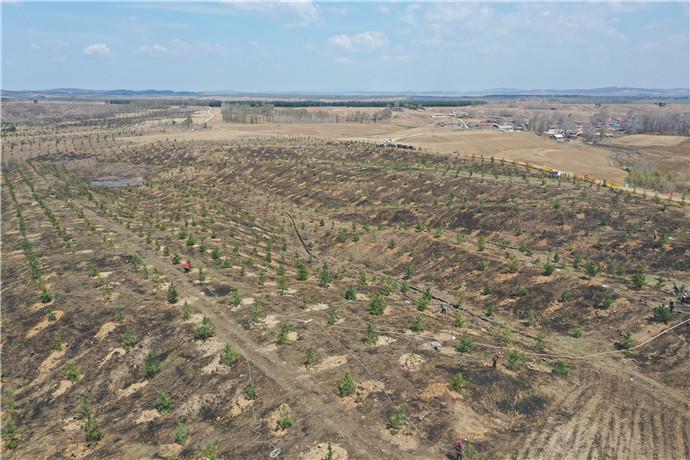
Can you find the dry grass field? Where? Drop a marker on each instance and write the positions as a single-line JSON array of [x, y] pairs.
[[340, 293]]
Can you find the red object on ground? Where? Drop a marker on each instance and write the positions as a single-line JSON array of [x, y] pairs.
[[187, 266]]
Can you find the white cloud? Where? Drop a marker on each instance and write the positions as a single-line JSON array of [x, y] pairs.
[[342, 41], [98, 50], [153, 50], [365, 41], [292, 13], [399, 58], [177, 47], [344, 61]]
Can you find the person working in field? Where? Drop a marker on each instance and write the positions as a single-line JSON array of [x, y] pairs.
[[460, 449], [187, 267]]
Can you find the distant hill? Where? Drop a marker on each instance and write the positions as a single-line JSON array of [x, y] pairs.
[[612, 91]]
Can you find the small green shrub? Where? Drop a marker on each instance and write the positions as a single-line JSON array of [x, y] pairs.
[[607, 301], [312, 357], [575, 331], [520, 292], [57, 344], [46, 295], [250, 391], [10, 435], [85, 408], [347, 386], [283, 333], [186, 311], [457, 383], [592, 269], [72, 372], [465, 344], [332, 316], [516, 360], [151, 366], [173, 294], [371, 336], [181, 433], [425, 300], [626, 342], [560, 368], [325, 276], [209, 452], [662, 313], [377, 305], [93, 432], [163, 403], [205, 330], [417, 324], [302, 271], [549, 269], [285, 417], [129, 341], [398, 419], [639, 280], [459, 320], [351, 293], [228, 356]]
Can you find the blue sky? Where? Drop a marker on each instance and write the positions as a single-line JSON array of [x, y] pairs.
[[344, 46]]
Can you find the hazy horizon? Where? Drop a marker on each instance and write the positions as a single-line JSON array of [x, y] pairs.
[[340, 47]]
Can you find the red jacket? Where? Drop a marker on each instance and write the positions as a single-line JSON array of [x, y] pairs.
[[187, 266]]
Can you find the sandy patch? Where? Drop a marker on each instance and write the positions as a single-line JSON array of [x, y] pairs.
[[104, 274], [465, 421], [40, 305], [329, 362], [438, 390], [170, 450], [106, 329], [318, 307], [239, 403], [361, 296], [211, 346], [49, 364], [272, 421], [147, 416], [270, 347], [319, 451], [403, 439], [364, 389], [62, 388], [79, 450], [410, 360], [43, 324], [248, 301], [384, 340], [130, 390], [113, 351], [195, 318], [270, 321], [85, 251], [193, 405], [292, 336]]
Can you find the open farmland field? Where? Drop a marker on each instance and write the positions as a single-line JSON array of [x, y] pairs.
[[339, 293]]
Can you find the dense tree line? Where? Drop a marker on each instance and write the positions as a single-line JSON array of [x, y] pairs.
[[406, 104], [676, 123], [267, 113]]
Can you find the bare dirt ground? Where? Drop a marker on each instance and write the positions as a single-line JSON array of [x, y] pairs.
[[321, 260]]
